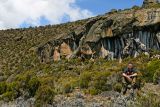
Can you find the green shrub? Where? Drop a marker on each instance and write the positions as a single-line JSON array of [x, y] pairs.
[[68, 88], [9, 96], [156, 77], [14, 86], [33, 85], [24, 78], [93, 91], [151, 69], [45, 95], [100, 81], [13, 90], [47, 80], [117, 87], [85, 78], [136, 7], [3, 87], [150, 100]]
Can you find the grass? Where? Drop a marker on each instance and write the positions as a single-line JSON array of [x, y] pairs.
[[44, 81]]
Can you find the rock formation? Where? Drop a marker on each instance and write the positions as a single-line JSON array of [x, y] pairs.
[[150, 2], [56, 54], [116, 35]]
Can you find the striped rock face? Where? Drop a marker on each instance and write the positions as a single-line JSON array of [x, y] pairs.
[[114, 35]]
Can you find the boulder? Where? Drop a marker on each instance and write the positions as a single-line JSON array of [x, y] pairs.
[[11, 78], [56, 55], [3, 78], [65, 50], [103, 52]]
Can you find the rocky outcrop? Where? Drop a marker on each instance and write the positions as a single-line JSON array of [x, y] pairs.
[[149, 2], [114, 35]]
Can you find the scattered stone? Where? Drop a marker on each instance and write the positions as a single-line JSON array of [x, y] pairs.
[[11, 78], [3, 78]]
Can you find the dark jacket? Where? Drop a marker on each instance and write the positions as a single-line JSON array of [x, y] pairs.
[[129, 71]]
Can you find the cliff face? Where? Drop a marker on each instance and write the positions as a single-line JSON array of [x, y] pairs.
[[113, 35]]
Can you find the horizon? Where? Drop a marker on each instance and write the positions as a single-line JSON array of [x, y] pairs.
[[29, 13]]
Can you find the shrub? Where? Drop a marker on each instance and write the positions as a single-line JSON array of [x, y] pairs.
[[45, 95], [156, 77], [84, 79], [14, 86], [100, 81], [33, 85], [9, 96], [3, 87], [136, 7], [93, 91], [151, 69], [113, 11], [150, 100], [24, 78], [117, 87], [47, 80], [67, 88]]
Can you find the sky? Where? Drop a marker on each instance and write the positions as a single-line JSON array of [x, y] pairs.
[[26, 13]]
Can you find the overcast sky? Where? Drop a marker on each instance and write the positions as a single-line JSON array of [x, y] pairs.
[[25, 13]]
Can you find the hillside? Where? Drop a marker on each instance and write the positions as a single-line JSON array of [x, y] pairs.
[[49, 65]]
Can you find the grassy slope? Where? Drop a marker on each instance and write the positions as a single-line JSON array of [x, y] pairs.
[[44, 81], [15, 44], [29, 78]]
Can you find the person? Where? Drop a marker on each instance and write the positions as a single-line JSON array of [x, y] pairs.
[[129, 76]]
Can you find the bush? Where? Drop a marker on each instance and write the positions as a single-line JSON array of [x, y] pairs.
[[14, 86], [33, 85], [84, 79], [100, 81], [45, 95], [117, 87], [93, 91], [156, 77], [47, 80], [151, 69], [9, 96], [136, 7], [150, 100], [113, 10], [67, 88], [3, 87]]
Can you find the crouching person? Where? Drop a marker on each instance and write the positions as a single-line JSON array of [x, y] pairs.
[[129, 76]]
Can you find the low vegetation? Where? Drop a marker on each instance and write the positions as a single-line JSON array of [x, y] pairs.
[[44, 81]]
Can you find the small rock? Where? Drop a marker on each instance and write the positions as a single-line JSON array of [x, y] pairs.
[[2, 78], [11, 78]]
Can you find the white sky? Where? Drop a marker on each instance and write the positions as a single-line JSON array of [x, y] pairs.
[[15, 12]]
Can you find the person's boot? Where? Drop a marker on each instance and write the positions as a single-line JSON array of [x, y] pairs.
[[124, 91], [124, 88], [134, 85]]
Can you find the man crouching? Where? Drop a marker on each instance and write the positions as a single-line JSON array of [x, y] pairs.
[[129, 76]]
